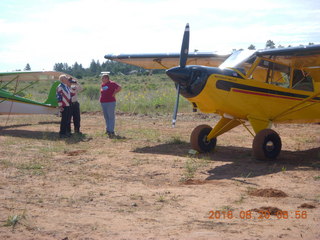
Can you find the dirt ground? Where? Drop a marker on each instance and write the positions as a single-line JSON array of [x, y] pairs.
[[146, 184]]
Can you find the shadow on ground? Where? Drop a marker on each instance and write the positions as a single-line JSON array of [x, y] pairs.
[[44, 135], [239, 162], [14, 126], [28, 124]]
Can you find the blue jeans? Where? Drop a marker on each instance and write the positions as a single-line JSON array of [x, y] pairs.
[[108, 109]]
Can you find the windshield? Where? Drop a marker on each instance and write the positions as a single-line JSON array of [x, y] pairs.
[[237, 58]]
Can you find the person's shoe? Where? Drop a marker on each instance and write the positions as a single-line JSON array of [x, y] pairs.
[[118, 137], [111, 134]]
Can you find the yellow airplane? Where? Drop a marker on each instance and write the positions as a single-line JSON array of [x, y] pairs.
[[263, 87]]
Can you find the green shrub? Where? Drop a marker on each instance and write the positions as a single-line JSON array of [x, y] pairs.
[[92, 92]]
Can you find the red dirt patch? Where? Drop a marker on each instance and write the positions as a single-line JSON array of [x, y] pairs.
[[75, 153], [271, 210], [268, 192], [195, 182], [307, 205]]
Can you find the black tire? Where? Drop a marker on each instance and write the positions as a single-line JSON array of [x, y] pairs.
[[266, 145], [198, 139]]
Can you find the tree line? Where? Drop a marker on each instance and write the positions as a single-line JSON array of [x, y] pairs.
[[95, 68], [270, 45]]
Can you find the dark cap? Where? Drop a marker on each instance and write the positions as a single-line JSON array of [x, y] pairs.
[[71, 80]]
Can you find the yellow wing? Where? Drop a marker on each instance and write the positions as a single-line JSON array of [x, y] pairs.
[[169, 60]]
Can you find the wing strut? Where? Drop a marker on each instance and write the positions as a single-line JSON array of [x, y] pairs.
[[15, 89], [158, 60], [295, 108]]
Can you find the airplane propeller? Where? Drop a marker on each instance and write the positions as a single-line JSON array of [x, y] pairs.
[[177, 72], [185, 47]]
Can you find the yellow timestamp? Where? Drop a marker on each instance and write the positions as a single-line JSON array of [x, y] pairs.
[[261, 214]]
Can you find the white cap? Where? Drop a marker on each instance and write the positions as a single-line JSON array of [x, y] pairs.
[[104, 74]]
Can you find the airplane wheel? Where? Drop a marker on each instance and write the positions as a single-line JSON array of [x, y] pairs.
[[198, 139], [266, 145]]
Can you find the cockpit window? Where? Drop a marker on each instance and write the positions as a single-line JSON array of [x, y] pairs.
[[302, 81], [276, 74]]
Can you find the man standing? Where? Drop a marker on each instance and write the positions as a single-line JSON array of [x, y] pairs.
[[75, 88], [108, 91], [64, 100]]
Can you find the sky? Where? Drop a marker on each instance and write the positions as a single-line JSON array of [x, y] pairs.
[[44, 32]]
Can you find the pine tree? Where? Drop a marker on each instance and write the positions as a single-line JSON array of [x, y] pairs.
[[270, 44], [252, 47], [93, 67], [27, 67]]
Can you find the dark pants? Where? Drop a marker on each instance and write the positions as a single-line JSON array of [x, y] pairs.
[[65, 121], [75, 114]]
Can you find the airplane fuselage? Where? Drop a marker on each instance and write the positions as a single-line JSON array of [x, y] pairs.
[[241, 98], [17, 107], [12, 104]]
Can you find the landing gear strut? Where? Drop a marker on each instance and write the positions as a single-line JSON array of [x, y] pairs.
[[266, 145], [199, 140]]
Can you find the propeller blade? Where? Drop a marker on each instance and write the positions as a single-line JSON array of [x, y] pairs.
[[174, 117], [183, 60], [185, 47]]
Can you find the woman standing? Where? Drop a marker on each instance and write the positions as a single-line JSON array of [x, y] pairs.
[[108, 91]]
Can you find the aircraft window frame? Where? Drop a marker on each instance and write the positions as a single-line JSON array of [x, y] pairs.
[[250, 66], [301, 80], [277, 74], [287, 74]]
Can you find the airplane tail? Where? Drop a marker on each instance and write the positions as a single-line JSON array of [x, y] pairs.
[[52, 99]]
